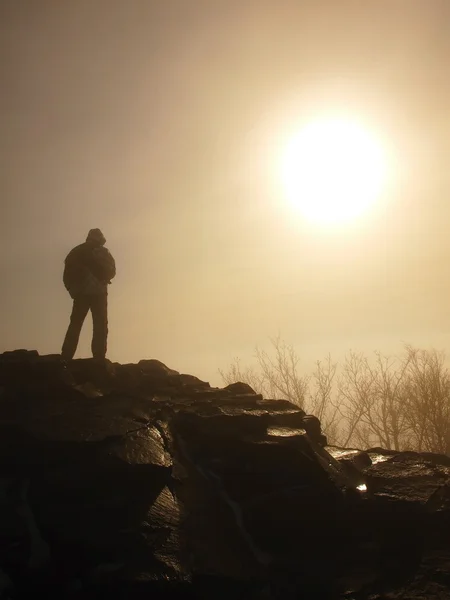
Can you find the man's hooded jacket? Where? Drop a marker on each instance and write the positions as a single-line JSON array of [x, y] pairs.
[[89, 267]]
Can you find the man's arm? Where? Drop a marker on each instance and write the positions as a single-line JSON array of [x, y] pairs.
[[105, 264], [71, 264]]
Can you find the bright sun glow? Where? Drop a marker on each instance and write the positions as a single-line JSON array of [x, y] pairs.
[[333, 170]]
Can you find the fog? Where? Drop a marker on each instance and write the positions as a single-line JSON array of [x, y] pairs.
[[162, 123]]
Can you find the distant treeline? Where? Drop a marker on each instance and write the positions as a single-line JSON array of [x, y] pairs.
[[396, 402]]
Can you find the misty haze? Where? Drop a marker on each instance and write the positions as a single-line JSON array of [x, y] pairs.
[[225, 325], [165, 124]]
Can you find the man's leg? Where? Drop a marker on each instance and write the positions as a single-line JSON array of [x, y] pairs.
[[99, 309], [79, 311]]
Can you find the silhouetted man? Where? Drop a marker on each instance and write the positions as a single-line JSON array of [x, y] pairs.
[[88, 270]]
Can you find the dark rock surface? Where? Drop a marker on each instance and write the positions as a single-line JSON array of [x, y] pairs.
[[136, 481]]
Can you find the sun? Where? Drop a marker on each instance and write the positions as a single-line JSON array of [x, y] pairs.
[[333, 170]]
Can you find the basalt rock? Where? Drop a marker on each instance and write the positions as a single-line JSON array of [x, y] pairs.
[[136, 481], [239, 388]]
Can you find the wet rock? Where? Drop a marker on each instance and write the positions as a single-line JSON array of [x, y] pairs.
[[223, 396], [128, 376], [239, 388], [240, 398], [435, 459], [89, 390], [135, 481], [100, 373], [27, 370], [156, 368], [381, 451], [275, 490], [313, 429], [22, 355], [103, 501], [349, 456], [6, 586], [49, 364], [192, 382], [382, 454], [406, 478], [17, 366], [285, 418]]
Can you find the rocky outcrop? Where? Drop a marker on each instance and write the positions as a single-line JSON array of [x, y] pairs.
[[138, 481]]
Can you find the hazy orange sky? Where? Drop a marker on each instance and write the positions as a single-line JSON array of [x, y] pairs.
[[161, 122]]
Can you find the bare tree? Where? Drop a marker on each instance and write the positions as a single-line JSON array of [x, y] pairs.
[[281, 374], [427, 399], [247, 375], [322, 399], [355, 393], [372, 401], [277, 375], [394, 402]]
